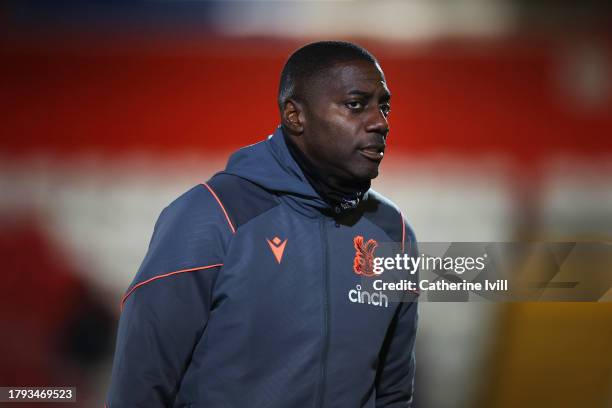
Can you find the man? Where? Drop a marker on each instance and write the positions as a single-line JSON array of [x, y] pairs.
[[250, 293]]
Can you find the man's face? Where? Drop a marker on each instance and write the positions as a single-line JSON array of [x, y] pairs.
[[345, 127]]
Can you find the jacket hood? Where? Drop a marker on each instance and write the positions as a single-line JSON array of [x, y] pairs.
[[270, 165]]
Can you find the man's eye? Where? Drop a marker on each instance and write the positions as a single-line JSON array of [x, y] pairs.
[[354, 105], [385, 109]]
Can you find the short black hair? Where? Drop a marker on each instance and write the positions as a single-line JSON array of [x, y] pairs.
[[311, 60]]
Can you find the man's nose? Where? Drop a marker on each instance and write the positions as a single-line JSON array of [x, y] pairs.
[[378, 123]]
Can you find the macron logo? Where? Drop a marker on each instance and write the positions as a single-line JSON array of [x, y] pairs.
[[277, 248]]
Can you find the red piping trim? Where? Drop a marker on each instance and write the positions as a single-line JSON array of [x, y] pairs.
[[415, 292], [222, 207], [403, 231], [410, 243], [199, 268]]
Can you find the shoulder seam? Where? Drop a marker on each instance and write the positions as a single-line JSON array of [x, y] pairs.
[[392, 206], [199, 268], [260, 214], [222, 207], [237, 221]]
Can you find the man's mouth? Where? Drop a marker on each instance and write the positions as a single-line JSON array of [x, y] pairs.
[[373, 152]]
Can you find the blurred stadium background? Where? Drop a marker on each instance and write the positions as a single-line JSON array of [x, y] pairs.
[[501, 130]]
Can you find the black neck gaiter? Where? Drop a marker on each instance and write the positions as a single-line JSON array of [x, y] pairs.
[[342, 195]]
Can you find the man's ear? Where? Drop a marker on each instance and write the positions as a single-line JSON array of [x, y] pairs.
[[292, 117]]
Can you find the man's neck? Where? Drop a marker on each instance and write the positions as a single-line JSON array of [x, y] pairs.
[[340, 194]]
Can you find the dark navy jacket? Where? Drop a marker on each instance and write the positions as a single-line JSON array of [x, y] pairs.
[[248, 297]]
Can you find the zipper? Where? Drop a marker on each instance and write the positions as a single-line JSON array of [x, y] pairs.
[[324, 351]]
